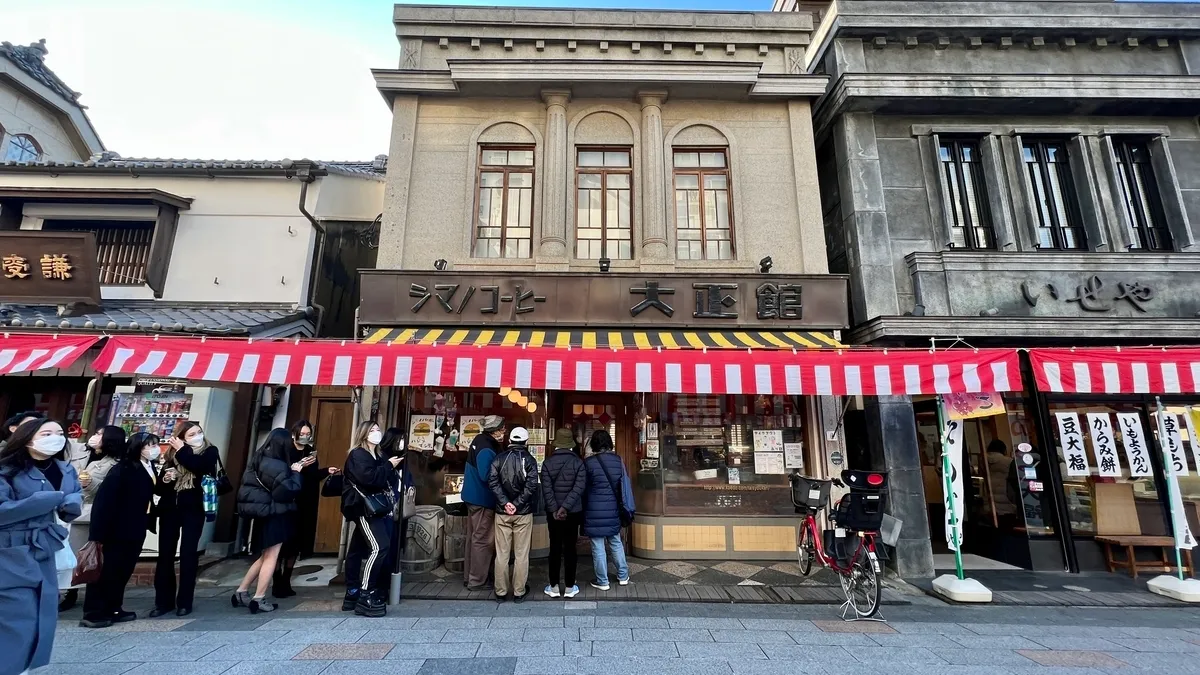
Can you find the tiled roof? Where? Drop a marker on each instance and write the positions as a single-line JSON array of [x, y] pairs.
[[148, 316], [111, 162], [31, 59]]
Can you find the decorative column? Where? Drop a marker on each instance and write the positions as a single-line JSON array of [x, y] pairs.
[[552, 247], [654, 227]]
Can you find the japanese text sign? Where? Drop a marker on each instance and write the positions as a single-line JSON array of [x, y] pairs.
[[1172, 443], [48, 267], [952, 442], [1137, 454], [1103, 444], [1071, 437]]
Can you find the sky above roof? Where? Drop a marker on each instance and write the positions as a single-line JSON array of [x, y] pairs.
[[257, 79]]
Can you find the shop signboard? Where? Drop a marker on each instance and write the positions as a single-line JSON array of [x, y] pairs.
[[1071, 438], [49, 267], [1172, 444], [953, 501], [668, 300], [1103, 444], [968, 406], [1137, 454], [1191, 417]]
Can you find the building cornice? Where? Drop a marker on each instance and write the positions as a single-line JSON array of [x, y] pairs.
[[975, 262], [1024, 331]]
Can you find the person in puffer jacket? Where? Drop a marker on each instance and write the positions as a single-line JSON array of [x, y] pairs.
[[564, 481], [601, 514], [513, 478], [270, 487], [481, 504]]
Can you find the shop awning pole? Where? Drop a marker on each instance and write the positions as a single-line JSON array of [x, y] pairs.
[[948, 486], [1172, 484]]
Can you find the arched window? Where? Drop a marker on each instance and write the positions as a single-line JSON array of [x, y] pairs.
[[504, 192], [22, 148]]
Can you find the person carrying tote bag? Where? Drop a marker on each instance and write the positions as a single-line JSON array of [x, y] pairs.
[[368, 499]]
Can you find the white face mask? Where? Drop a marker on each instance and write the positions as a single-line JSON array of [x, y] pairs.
[[47, 446], [94, 442], [196, 441], [151, 452], [374, 437]]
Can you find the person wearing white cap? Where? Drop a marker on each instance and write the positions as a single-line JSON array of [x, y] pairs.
[[513, 478]]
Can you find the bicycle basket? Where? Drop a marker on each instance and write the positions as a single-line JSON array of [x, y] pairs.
[[809, 494]]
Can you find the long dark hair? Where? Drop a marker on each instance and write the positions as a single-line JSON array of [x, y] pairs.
[[300, 424], [112, 444], [389, 446], [133, 449], [277, 446], [601, 441], [16, 453]]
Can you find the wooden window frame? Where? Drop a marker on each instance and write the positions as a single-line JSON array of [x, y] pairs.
[[700, 172], [603, 172], [1122, 148], [960, 167], [1070, 198], [506, 169]]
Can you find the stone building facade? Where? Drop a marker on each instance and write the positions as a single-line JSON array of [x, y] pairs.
[[611, 164], [1018, 174]]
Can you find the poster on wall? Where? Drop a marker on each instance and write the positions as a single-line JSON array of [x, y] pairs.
[[1172, 441], [952, 444], [793, 455], [735, 476], [968, 406], [1103, 444], [1168, 433], [768, 440], [652, 449], [537, 436], [1071, 437], [1134, 440], [539, 453], [652, 431], [472, 426], [420, 432], [768, 463]]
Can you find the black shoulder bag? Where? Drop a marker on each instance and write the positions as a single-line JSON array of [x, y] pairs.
[[622, 512]]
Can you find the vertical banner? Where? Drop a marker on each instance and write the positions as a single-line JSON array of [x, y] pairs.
[[1172, 445], [1192, 417], [1137, 454], [1172, 442], [1071, 437], [1103, 444], [952, 437]]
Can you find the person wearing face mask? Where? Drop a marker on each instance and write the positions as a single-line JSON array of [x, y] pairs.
[[120, 519], [92, 462], [180, 514], [39, 490], [304, 535], [368, 472]]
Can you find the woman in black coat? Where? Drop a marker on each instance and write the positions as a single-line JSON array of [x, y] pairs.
[[180, 511], [302, 541], [120, 518], [268, 495]]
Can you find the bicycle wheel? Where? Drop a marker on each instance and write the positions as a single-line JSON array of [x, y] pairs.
[[805, 550], [861, 585]]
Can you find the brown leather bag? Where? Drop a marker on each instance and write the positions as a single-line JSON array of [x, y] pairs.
[[91, 561]]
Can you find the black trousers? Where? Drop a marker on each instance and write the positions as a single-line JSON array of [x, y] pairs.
[[105, 596], [368, 557], [181, 527], [563, 534]]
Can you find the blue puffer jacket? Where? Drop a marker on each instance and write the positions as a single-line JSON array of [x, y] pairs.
[[600, 517], [476, 491]]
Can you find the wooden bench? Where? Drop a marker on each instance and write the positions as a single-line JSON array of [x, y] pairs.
[[1129, 542]]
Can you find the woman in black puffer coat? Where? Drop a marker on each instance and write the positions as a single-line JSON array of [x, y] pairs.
[[268, 496]]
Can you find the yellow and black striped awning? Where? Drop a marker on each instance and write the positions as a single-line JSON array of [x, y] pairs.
[[604, 339]]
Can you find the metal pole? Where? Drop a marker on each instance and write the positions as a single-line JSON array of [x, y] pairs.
[[948, 486], [1170, 471]]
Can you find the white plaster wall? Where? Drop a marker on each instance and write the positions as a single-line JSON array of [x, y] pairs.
[[347, 198], [23, 114]]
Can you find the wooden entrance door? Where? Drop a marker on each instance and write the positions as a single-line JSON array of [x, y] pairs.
[[332, 418]]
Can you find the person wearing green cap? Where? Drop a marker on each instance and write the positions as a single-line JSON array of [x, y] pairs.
[[564, 480]]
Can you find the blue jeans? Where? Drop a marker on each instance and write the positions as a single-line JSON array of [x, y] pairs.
[[600, 561]]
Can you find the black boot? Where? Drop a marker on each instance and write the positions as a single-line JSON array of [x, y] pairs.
[[351, 599], [283, 578], [370, 604]]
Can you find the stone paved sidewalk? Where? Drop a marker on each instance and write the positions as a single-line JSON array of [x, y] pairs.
[[610, 638]]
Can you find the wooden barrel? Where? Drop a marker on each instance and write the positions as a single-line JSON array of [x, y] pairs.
[[424, 533], [455, 544], [539, 541]]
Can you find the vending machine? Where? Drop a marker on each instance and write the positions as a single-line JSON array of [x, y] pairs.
[[157, 406]]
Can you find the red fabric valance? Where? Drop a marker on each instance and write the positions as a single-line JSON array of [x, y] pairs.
[[32, 351], [1117, 370]]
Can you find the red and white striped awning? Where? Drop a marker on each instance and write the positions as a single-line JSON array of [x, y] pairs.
[[22, 353], [1117, 370], [728, 371]]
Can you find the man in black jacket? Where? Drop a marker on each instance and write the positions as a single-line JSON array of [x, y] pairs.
[[513, 478]]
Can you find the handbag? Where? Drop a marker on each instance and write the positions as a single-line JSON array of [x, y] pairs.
[[622, 513], [64, 558], [408, 507], [91, 561], [224, 487], [376, 504]]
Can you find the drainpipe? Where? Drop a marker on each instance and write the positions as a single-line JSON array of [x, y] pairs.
[[304, 173]]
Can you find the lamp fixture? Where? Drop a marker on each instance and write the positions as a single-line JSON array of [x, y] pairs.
[[504, 391], [605, 264], [765, 265], [514, 395], [440, 264], [523, 401], [532, 407]]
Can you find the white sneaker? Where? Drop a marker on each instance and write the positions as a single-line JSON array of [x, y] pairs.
[[623, 582], [571, 592], [597, 585], [551, 591]]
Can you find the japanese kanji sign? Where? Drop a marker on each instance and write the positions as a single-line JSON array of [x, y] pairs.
[[1071, 438], [1172, 443], [952, 437], [614, 299], [1137, 454], [1191, 417], [1104, 446], [48, 267]]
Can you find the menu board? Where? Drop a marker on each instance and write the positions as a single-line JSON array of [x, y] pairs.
[[420, 432], [793, 455], [472, 426], [768, 462]]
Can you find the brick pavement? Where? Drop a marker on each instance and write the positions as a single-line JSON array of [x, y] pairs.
[[619, 638]]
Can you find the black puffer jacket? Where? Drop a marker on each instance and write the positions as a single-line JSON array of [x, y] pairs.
[[513, 478], [269, 488], [564, 480]]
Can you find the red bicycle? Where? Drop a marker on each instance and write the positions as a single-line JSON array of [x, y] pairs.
[[849, 548]]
